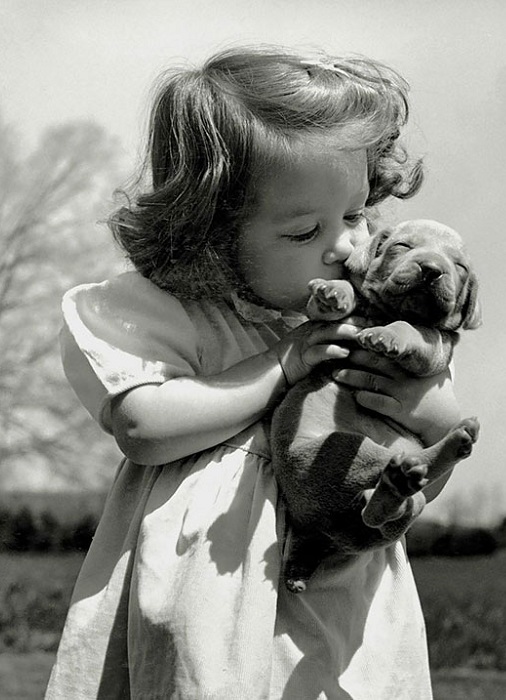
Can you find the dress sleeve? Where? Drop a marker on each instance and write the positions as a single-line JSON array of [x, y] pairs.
[[121, 334]]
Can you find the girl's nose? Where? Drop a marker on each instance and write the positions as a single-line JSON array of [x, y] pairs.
[[339, 250]]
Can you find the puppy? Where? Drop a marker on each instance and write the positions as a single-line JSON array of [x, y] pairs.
[[351, 479]]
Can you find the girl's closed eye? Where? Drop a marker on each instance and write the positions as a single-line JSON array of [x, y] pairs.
[[355, 217], [303, 236]]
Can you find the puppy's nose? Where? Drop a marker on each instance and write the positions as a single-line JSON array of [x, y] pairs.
[[431, 271]]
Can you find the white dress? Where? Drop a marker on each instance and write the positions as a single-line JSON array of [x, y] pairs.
[[178, 597]]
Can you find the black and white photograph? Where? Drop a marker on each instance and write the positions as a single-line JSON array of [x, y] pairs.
[[252, 374]]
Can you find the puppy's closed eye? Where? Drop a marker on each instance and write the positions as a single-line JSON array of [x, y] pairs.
[[402, 245]]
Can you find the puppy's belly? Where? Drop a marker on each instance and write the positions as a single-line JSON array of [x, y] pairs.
[[330, 407]]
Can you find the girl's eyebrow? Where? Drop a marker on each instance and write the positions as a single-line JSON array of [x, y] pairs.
[[300, 210], [294, 213]]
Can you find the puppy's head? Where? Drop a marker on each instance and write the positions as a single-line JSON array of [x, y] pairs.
[[419, 271]]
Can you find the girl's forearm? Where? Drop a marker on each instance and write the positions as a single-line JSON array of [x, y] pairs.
[[155, 424]]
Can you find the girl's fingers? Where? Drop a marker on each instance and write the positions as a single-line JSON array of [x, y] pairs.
[[322, 342], [377, 363], [372, 391], [380, 403], [332, 332], [361, 380], [318, 353]]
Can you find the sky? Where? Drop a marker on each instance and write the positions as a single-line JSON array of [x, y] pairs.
[[97, 60]]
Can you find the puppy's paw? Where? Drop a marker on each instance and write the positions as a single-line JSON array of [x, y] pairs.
[[385, 341], [402, 478], [405, 475], [464, 435], [330, 299]]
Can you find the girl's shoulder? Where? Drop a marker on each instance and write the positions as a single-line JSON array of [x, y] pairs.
[[128, 313], [125, 332], [125, 294], [135, 305]]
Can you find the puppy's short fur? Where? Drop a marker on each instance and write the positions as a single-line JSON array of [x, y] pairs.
[[351, 479]]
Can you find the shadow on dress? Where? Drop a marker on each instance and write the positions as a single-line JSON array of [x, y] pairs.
[[232, 533]]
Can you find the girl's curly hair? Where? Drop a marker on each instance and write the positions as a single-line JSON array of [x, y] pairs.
[[215, 129]]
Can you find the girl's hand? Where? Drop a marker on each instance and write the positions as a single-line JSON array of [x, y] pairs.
[[311, 343], [426, 406]]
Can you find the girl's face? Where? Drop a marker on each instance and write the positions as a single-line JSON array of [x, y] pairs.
[[308, 216]]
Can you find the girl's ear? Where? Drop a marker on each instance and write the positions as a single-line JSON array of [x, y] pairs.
[[471, 313]]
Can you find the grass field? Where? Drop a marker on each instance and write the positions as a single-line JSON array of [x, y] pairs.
[[35, 591], [464, 602]]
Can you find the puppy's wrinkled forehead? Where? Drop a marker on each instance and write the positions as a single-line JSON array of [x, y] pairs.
[[425, 232]]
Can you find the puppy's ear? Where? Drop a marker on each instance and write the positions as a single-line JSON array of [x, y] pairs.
[[471, 312], [364, 254], [378, 242]]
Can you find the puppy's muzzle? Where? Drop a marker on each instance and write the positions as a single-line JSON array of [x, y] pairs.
[[430, 276], [421, 289], [431, 271]]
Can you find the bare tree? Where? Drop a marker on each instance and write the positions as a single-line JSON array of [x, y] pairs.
[[50, 201]]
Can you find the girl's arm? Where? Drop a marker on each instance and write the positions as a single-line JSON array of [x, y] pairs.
[[155, 424]]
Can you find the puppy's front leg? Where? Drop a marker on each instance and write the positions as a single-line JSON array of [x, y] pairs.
[[331, 300], [419, 350]]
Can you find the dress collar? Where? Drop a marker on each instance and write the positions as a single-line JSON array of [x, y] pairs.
[[254, 313]]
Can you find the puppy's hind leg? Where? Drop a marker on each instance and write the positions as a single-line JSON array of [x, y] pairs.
[[402, 480], [456, 445]]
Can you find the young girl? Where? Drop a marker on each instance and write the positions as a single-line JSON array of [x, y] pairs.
[[264, 165]]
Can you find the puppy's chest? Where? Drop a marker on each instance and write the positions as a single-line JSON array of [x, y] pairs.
[[332, 407], [366, 310]]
